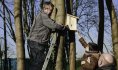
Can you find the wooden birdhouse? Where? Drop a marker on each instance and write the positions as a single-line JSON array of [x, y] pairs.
[[71, 21]]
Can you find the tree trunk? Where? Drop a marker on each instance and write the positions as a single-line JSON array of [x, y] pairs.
[[19, 35], [53, 15], [25, 23], [41, 3], [32, 10], [10, 24], [114, 28], [5, 39], [1, 53], [60, 18], [52, 62], [72, 57], [101, 25]]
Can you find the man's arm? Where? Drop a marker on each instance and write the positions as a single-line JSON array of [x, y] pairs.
[[50, 23], [31, 29]]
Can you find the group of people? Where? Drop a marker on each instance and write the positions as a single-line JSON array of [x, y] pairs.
[[39, 37], [94, 60]]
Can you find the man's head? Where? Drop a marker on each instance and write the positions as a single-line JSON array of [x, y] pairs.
[[47, 7], [105, 60]]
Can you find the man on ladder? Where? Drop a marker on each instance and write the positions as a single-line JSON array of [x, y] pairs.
[[39, 36]]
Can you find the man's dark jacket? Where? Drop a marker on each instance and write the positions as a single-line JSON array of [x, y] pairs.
[[40, 30], [110, 67]]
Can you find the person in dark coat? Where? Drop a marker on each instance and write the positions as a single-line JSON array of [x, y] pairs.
[[39, 35], [90, 58]]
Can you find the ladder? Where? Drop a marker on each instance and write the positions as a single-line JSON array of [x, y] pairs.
[[53, 43]]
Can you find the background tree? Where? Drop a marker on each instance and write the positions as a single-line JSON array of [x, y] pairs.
[[72, 57], [114, 28], [60, 18], [101, 25], [88, 24], [5, 40], [1, 53], [19, 35]]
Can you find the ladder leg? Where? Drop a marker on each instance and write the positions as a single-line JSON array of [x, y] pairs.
[[49, 52]]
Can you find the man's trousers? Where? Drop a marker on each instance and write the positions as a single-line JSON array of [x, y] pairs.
[[37, 55]]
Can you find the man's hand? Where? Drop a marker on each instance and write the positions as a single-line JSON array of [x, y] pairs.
[[66, 28]]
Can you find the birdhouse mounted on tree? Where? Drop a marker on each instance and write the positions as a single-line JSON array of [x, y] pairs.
[[71, 21]]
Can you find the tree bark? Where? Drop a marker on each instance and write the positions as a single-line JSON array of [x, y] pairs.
[[25, 23], [19, 35], [60, 18], [72, 57], [54, 53], [5, 39], [114, 28], [53, 15], [1, 53], [32, 10], [101, 25]]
